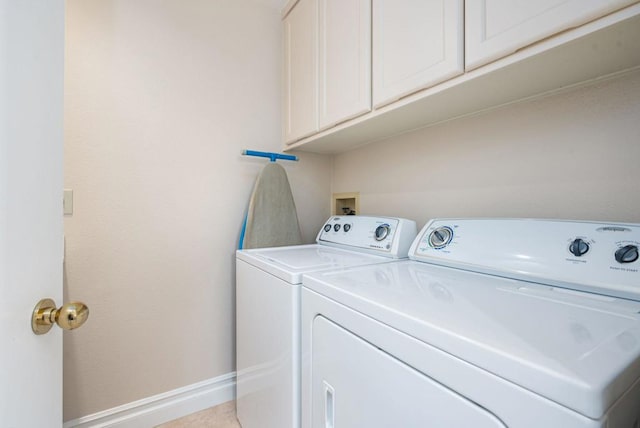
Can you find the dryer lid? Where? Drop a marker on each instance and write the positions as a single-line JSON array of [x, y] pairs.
[[578, 349]]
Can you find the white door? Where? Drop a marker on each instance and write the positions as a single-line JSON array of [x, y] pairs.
[[416, 44], [31, 97], [496, 28], [345, 60]]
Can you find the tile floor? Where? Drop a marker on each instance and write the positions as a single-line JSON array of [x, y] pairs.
[[221, 416]]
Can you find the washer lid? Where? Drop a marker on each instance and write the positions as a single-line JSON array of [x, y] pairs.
[[578, 349], [289, 263]]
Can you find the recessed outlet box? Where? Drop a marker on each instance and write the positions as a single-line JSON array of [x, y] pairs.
[[346, 203]]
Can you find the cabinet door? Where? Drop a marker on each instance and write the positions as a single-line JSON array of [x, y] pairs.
[[300, 71], [496, 28], [416, 44], [345, 60]]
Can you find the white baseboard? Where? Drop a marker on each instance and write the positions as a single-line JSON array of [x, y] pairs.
[[161, 408]]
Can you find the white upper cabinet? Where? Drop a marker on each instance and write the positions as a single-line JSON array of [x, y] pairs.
[[301, 71], [345, 60], [496, 28], [357, 71], [416, 44]]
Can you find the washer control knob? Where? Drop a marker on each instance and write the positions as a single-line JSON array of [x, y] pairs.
[[578, 247], [382, 232], [327, 227], [440, 237], [336, 227], [346, 227], [627, 254]]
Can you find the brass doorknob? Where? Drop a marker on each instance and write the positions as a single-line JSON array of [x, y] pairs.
[[71, 315]]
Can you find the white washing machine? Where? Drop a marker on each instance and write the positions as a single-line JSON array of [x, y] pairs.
[[268, 283], [493, 323]]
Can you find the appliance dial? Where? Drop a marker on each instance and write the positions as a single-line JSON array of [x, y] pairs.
[[382, 232], [627, 254], [327, 227], [440, 237], [336, 227], [346, 227], [578, 247]]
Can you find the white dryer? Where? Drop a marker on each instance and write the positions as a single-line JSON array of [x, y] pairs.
[[493, 323], [268, 283]]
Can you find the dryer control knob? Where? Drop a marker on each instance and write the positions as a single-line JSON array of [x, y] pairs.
[[440, 237], [627, 254], [327, 227], [578, 247]]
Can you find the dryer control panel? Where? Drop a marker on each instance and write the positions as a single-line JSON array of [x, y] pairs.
[[388, 236], [596, 257]]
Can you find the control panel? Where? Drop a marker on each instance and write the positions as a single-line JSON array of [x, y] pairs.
[[596, 257], [386, 236]]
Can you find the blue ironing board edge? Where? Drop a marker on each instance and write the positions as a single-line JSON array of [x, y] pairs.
[[244, 228]]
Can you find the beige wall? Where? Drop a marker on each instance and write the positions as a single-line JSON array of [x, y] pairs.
[[161, 97], [572, 155]]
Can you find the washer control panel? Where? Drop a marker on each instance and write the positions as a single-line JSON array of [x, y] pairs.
[[596, 257], [387, 236]]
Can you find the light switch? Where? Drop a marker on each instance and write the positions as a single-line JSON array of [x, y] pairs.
[[67, 201]]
